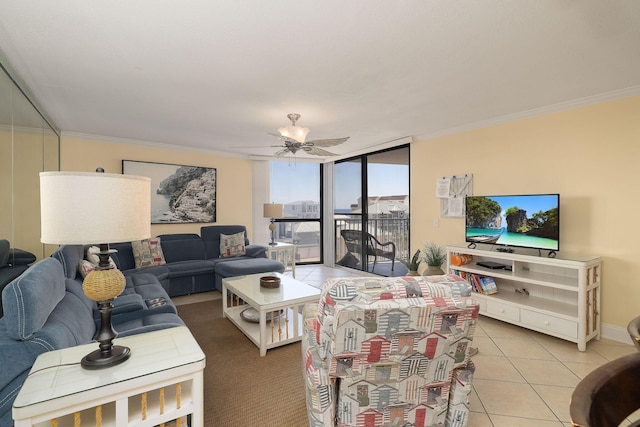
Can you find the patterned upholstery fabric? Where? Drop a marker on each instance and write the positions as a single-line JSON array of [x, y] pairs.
[[389, 352], [148, 252]]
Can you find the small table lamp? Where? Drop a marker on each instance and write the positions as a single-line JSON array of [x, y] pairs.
[[80, 208], [272, 210]]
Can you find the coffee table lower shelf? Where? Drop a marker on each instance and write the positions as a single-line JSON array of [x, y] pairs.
[[285, 329]]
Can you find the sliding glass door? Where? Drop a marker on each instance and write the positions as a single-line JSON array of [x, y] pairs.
[[371, 211]]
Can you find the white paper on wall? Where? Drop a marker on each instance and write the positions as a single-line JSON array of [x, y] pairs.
[[442, 187], [460, 186]]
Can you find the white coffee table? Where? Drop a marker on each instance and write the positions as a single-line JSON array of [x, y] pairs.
[[279, 310]]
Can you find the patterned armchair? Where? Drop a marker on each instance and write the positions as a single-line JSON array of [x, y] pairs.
[[389, 352]]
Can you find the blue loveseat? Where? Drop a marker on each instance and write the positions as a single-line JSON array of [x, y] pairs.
[[45, 309]]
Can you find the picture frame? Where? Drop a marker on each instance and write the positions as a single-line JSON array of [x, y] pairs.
[[179, 193]]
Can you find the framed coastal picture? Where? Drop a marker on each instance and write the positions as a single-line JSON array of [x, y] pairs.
[[179, 193]]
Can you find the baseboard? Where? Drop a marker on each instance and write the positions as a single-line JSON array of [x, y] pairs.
[[615, 333]]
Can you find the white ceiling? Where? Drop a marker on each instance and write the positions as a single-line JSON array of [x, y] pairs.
[[218, 75]]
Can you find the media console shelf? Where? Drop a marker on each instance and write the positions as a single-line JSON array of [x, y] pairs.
[[558, 297]]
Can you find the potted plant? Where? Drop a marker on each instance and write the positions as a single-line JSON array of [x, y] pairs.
[[434, 256], [413, 263]]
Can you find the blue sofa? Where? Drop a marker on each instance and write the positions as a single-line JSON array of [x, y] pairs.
[[193, 262], [45, 309]]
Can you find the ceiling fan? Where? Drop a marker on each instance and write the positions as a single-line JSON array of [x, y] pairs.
[[294, 136]]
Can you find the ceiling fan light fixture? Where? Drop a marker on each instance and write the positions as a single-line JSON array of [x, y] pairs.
[[298, 133]]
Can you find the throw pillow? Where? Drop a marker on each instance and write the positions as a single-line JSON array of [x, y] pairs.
[[85, 267], [232, 245], [148, 252]]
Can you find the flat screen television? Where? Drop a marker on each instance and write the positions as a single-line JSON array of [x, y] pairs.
[[527, 221]]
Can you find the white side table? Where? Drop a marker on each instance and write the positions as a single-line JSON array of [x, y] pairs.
[[284, 253], [162, 381]]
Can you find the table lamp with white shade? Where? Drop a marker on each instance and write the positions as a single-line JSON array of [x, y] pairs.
[[82, 208], [272, 211]]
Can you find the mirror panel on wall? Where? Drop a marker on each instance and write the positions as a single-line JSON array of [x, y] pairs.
[[28, 145]]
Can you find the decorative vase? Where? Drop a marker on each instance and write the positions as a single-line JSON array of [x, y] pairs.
[[433, 270], [412, 273]]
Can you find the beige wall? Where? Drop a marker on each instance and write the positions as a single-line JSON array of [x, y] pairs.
[[233, 199], [590, 155]]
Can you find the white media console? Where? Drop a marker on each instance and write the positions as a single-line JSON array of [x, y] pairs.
[[558, 297]]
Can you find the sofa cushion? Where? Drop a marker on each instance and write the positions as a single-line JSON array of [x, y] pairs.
[[85, 267], [182, 247], [29, 300], [232, 245], [190, 268], [124, 256], [147, 252], [69, 256], [248, 266]]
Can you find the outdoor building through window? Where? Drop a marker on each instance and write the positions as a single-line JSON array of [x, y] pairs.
[[297, 187]]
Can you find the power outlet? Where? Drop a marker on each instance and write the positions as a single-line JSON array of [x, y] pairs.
[[436, 223]]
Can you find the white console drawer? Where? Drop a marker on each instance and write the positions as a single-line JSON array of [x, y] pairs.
[[549, 323], [505, 311], [482, 303]]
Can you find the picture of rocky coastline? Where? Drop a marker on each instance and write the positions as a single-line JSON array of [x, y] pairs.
[[179, 194]]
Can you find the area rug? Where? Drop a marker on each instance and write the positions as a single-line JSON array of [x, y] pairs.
[[242, 389]]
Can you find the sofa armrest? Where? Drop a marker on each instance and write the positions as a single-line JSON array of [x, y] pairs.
[[255, 251], [127, 303]]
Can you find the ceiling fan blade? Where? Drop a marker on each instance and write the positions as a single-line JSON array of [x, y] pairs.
[[281, 152], [327, 142], [282, 137], [317, 151]]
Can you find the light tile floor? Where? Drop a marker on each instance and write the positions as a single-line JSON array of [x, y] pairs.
[[523, 378]]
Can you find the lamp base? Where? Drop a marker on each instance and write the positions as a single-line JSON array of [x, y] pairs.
[[96, 360]]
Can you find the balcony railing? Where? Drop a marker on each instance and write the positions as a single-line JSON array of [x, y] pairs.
[[394, 230]]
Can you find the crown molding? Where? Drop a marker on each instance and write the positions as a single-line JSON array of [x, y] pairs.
[[149, 144], [555, 108]]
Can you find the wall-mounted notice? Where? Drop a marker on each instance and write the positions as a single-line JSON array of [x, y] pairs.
[[452, 191]]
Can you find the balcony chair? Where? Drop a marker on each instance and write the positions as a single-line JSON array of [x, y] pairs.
[[381, 351], [353, 240], [606, 396]]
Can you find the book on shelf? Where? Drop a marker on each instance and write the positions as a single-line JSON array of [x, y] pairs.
[[480, 284], [488, 285]]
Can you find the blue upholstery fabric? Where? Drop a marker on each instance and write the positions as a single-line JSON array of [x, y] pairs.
[[45, 311], [27, 303], [69, 322], [246, 266], [182, 247], [124, 257], [69, 256], [190, 262]]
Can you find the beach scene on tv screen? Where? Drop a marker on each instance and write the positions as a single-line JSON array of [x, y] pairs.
[[530, 221]]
